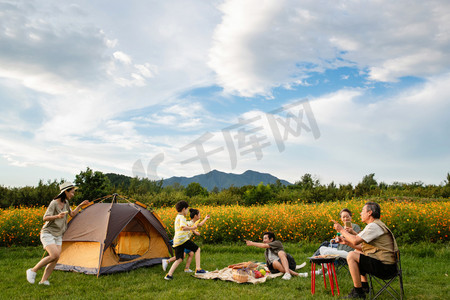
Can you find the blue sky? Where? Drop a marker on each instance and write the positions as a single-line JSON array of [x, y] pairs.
[[178, 88]]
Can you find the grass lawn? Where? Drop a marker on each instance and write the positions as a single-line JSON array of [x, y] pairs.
[[425, 268]]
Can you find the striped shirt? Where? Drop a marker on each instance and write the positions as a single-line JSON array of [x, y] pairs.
[[181, 236], [191, 224]]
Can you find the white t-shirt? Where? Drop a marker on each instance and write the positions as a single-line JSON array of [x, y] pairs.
[[371, 232]]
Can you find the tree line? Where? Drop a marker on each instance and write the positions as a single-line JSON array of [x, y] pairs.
[[95, 184]]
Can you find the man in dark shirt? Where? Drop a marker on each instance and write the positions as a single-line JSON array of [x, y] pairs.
[[277, 259]]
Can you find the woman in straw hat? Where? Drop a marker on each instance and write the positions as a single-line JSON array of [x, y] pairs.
[[51, 233]]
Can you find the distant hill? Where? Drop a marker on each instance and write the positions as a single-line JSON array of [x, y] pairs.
[[210, 180], [223, 180]]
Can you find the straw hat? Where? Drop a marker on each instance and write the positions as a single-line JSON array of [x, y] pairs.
[[65, 186]]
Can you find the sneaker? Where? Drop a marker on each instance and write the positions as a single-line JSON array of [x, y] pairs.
[[355, 295], [286, 276], [303, 274], [188, 271], [31, 276], [168, 277], [45, 282], [319, 272], [164, 264], [201, 271]]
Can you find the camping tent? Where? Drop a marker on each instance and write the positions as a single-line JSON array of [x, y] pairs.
[[113, 237]]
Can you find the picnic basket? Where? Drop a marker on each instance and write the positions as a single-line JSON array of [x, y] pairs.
[[240, 275]]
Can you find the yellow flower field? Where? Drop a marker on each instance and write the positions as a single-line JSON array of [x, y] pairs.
[[410, 221], [21, 226], [311, 222]]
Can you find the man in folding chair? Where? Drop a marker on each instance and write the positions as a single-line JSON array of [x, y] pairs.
[[375, 253]]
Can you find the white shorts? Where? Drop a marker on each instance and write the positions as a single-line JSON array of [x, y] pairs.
[[49, 239]]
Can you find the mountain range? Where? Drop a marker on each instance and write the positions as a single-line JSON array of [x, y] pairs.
[[223, 180], [211, 179]]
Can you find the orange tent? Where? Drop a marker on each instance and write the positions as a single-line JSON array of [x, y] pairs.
[[113, 237]]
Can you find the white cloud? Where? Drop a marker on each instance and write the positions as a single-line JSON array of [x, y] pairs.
[[399, 135], [147, 70], [262, 45], [425, 63], [122, 57], [402, 138], [357, 138], [71, 76], [127, 74], [71, 64], [43, 46], [184, 115]]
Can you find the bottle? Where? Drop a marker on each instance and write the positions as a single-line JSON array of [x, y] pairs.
[[337, 237]]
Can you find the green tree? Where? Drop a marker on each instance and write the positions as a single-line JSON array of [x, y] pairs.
[[195, 189], [144, 186], [175, 187], [345, 191], [331, 192], [5, 197], [277, 186], [92, 185], [446, 187], [367, 184], [447, 181], [46, 192], [258, 195], [307, 182]]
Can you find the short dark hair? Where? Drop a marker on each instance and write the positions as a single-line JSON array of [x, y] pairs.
[[180, 205], [374, 208], [270, 235], [345, 209], [193, 212]]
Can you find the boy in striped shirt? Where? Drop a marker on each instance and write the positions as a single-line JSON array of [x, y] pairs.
[[182, 241]]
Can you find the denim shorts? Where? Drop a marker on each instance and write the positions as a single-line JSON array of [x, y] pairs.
[[49, 239]]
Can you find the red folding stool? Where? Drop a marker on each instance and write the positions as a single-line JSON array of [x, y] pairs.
[[331, 273]]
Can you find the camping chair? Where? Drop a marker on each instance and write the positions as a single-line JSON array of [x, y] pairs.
[[341, 263], [385, 284]]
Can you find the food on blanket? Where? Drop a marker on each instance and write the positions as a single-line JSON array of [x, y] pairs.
[[244, 265], [257, 274], [326, 256], [263, 272], [239, 275], [238, 266]]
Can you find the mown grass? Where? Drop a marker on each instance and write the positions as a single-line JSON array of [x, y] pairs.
[[425, 268]]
